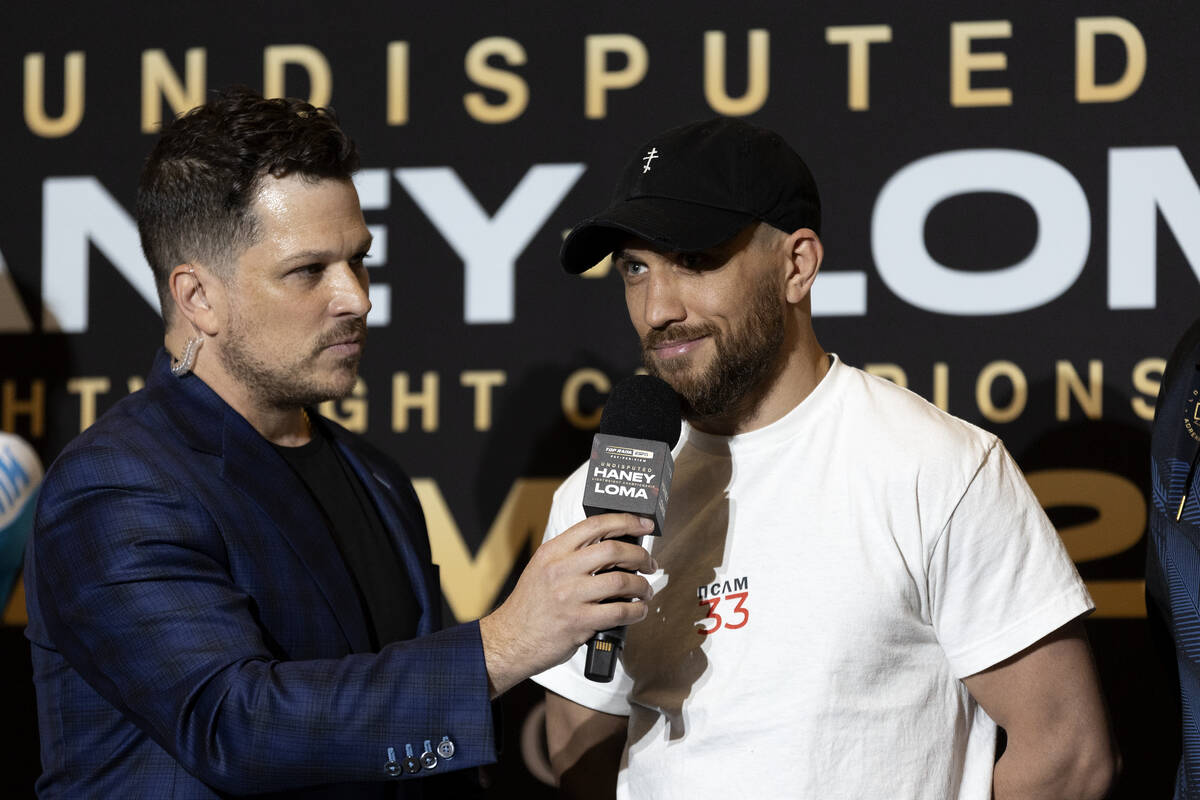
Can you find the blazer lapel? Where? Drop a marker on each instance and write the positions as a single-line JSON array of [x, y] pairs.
[[252, 466], [402, 523]]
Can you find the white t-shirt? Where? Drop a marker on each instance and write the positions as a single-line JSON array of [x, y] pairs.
[[825, 582]]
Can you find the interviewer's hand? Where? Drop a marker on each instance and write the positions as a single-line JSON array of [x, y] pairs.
[[558, 605]]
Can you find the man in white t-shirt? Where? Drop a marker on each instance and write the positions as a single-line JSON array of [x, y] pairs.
[[855, 588]]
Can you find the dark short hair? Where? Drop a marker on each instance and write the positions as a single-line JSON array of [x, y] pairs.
[[194, 196]]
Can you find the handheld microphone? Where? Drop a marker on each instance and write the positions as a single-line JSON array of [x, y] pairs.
[[630, 470]]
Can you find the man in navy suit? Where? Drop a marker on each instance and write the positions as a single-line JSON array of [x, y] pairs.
[[1173, 554], [229, 595]]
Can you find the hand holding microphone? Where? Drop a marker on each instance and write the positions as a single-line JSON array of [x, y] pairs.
[[585, 579], [630, 470]]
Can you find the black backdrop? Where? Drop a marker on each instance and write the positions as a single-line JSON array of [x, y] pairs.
[[1009, 202]]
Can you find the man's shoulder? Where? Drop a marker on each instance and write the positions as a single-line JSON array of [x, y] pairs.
[[120, 468], [132, 430], [129, 466], [893, 412]]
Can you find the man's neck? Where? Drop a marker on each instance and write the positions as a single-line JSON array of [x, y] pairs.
[[801, 369], [288, 427]]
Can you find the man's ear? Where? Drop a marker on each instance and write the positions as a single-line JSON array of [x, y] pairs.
[[190, 287], [804, 261]]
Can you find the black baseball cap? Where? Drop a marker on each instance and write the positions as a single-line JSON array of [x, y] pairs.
[[696, 186]]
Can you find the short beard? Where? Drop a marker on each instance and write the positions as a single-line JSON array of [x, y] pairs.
[[281, 386], [746, 358]]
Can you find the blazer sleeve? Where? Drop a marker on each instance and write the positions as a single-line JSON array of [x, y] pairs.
[[135, 588]]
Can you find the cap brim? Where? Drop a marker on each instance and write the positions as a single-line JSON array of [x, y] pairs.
[[672, 224]]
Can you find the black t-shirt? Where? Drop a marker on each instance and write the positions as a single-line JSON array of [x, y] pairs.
[[382, 583]]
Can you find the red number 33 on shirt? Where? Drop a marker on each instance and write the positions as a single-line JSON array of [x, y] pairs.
[[740, 612]]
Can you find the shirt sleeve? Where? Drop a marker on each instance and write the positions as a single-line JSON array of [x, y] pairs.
[[567, 678], [1000, 578]]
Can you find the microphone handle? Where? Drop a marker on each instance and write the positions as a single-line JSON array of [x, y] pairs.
[[604, 648]]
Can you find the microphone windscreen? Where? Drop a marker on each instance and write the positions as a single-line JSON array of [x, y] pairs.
[[642, 407]]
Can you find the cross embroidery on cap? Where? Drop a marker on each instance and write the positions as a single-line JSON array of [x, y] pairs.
[[651, 154]]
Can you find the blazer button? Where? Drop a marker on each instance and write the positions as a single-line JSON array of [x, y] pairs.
[[428, 759], [445, 748], [411, 765], [392, 767]]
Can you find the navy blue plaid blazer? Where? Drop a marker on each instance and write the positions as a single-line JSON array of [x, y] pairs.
[[1173, 551], [196, 634]]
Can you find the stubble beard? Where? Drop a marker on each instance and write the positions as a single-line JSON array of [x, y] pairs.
[[284, 386], [745, 360]]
